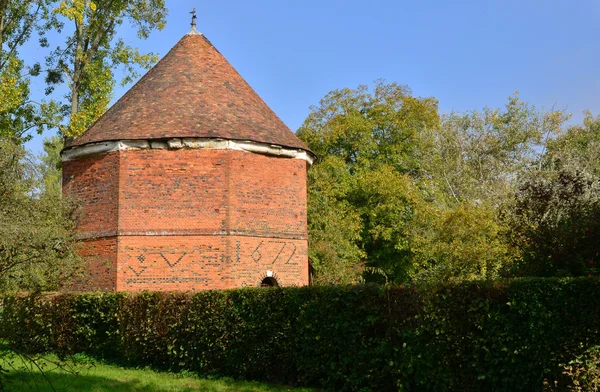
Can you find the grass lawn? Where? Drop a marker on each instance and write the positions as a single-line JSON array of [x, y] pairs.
[[87, 375]]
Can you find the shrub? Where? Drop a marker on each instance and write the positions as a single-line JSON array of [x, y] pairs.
[[476, 336], [584, 371]]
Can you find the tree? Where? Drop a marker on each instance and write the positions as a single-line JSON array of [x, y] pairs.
[[555, 221], [360, 193], [37, 232], [50, 166], [472, 166], [466, 242], [578, 148], [18, 114], [477, 157], [334, 224], [554, 213], [93, 50], [365, 127], [386, 201], [404, 193]]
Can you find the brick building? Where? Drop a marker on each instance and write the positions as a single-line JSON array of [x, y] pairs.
[[190, 182]]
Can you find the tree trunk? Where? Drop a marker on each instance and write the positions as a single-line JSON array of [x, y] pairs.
[[3, 7], [77, 75]]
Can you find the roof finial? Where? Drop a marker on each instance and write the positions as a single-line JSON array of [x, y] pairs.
[[193, 29], [193, 12]]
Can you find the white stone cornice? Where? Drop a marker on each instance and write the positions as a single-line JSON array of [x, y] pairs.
[[76, 152]]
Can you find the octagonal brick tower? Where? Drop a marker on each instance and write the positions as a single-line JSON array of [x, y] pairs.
[[190, 182]]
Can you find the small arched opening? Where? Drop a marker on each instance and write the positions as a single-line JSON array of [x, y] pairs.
[[269, 282]]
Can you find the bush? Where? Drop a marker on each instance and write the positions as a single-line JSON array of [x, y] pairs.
[[478, 336], [584, 371]]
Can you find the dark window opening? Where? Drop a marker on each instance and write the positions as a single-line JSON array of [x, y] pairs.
[[269, 282]]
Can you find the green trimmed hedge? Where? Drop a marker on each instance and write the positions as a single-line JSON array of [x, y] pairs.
[[504, 336]]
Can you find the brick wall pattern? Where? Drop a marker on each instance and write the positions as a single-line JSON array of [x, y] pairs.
[[189, 219]]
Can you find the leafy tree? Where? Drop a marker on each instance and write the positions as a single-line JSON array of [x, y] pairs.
[[472, 165], [553, 215], [555, 221], [477, 157], [37, 243], [92, 51], [386, 201], [18, 114], [423, 191], [334, 224], [366, 128], [578, 148], [50, 166], [360, 193], [466, 242]]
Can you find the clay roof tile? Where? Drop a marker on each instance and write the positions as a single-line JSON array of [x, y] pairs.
[[192, 92]]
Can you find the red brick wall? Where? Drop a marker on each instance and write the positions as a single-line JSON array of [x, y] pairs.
[[268, 196], [208, 262], [286, 258], [200, 219], [100, 266], [173, 262], [93, 181], [173, 191]]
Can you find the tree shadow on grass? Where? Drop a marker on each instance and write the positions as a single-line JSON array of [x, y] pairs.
[[21, 372], [24, 381], [57, 381]]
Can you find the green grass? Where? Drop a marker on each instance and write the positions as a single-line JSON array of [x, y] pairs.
[[82, 374]]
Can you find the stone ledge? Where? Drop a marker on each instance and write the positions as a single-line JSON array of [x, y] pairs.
[[199, 233], [76, 152]]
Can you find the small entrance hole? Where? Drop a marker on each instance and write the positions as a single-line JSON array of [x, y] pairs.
[[269, 282]]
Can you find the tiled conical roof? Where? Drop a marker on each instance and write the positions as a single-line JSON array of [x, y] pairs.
[[192, 92]]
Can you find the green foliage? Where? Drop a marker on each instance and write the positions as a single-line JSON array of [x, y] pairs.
[[474, 336], [14, 113], [93, 49], [386, 200], [37, 243], [476, 157], [513, 336], [364, 127], [18, 114], [553, 215], [51, 165], [584, 371], [319, 336], [463, 243], [359, 202], [415, 197], [472, 165], [334, 225], [555, 221], [578, 148]]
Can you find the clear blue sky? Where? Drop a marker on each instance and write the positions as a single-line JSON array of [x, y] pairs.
[[467, 54]]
